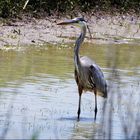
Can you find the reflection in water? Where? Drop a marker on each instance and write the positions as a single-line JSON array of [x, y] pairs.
[[38, 90]]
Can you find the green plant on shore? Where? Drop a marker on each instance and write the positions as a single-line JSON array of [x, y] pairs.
[[12, 8]]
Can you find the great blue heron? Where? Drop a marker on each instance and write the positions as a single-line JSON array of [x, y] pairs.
[[88, 75]]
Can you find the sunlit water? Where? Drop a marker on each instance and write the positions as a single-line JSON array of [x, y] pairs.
[[39, 97]]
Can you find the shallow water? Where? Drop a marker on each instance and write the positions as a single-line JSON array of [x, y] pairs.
[[39, 96]]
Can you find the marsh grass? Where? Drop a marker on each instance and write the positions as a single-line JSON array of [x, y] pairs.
[[121, 103]]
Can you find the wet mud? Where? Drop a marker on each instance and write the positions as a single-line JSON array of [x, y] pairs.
[[105, 30]]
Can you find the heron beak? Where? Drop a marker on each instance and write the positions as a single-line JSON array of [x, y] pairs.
[[66, 22]]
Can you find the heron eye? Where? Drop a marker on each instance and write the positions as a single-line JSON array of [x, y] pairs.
[[92, 68]]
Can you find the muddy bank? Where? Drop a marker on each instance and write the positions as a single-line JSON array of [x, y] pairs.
[[104, 29]]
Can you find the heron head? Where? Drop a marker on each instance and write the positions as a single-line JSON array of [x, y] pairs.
[[76, 21], [80, 22]]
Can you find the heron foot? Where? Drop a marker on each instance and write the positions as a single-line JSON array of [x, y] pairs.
[[78, 118], [95, 113]]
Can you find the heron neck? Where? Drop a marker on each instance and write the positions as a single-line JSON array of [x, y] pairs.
[[78, 45]]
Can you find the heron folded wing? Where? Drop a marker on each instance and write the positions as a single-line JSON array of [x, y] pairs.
[[98, 78]]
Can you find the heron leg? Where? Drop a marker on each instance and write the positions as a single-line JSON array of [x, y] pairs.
[[79, 105], [95, 103]]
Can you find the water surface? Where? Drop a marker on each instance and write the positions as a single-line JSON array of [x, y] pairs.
[[39, 95]]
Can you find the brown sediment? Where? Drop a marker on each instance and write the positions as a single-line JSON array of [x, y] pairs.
[[104, 29]]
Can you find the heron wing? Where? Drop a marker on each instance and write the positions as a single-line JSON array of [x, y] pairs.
[[97, 77]]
